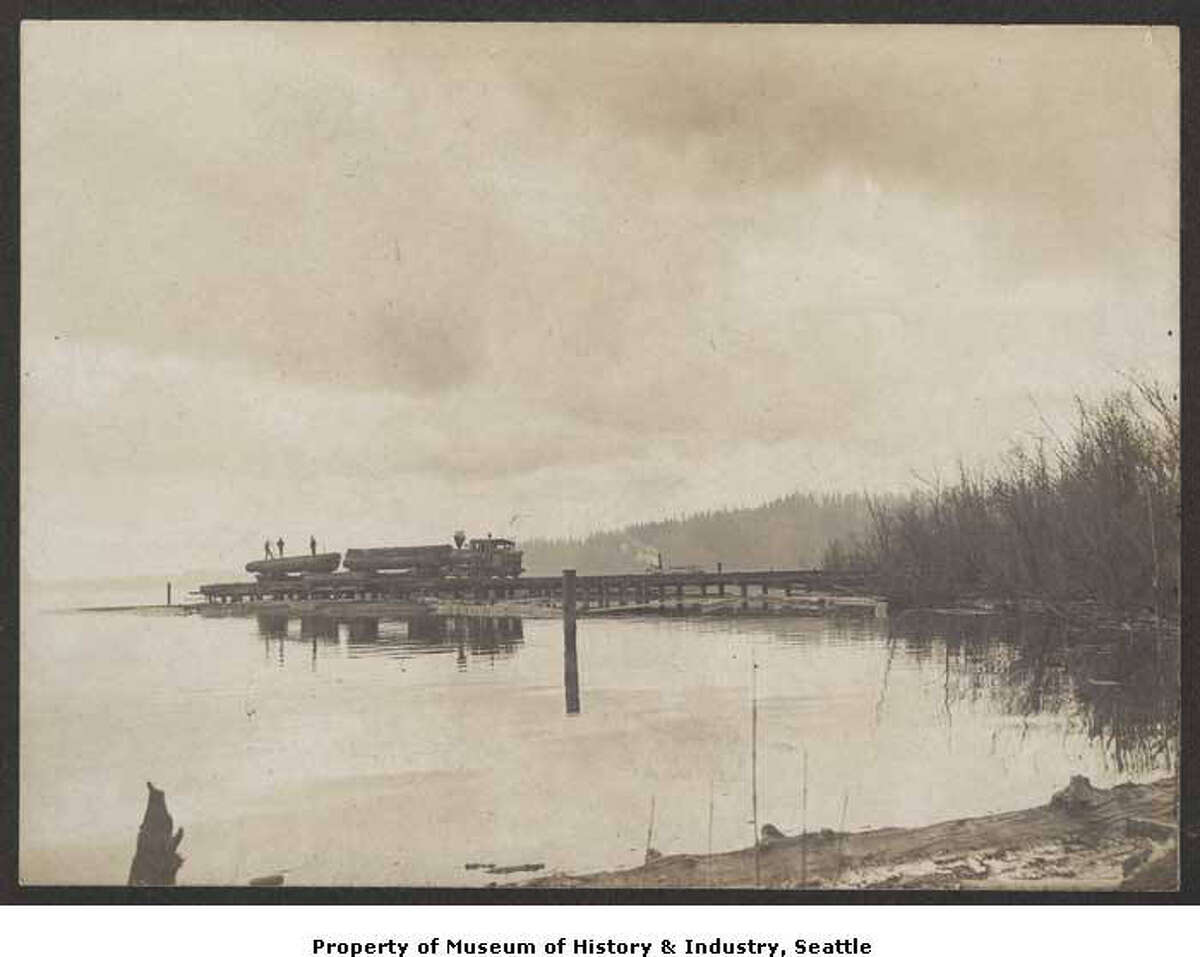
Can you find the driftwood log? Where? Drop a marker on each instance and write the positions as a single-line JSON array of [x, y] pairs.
[[1068, 844], [157, 859]]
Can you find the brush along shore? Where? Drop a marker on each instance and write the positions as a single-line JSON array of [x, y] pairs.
[[1085, 838]]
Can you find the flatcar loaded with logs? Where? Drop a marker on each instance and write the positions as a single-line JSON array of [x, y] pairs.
[[478, 558], [394, 571]]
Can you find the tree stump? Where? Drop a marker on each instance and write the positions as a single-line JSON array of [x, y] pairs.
[[157, 859], [1078, 797], [771, 835]]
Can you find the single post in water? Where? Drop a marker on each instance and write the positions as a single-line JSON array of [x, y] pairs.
[[168, 593], [570, 656], [754, 765]]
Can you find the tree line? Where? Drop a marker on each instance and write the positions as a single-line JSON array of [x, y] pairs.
[[789, 532]]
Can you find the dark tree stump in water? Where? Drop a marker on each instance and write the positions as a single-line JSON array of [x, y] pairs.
[[157, 859], [771, 834]]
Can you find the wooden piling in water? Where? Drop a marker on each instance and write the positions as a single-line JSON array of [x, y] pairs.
[[708, 866], [650, 833], [754, 766], [570, 653], [804, 824]]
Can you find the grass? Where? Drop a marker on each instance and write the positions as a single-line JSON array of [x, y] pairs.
[[1092, 518]]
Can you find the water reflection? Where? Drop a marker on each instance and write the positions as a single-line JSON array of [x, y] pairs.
[[853, 732], [1120, 686], [272, 625], [466, 638], [318, 628], [363, 631]]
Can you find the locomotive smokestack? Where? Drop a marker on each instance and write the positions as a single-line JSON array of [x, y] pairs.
[[459, 537]]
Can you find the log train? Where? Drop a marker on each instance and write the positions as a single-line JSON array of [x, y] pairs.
[[378, 570]]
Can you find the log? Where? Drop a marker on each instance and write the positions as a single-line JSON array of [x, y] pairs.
[[273, 567], [398, 557], [1156, 831]]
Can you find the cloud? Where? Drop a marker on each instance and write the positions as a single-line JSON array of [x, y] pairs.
[[386, 220], [1043, 125], [590, 273]]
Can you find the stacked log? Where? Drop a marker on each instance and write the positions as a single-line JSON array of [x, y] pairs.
[[420, 558], [297, 565]]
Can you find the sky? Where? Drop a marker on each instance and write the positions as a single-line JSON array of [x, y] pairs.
[[378, 282]]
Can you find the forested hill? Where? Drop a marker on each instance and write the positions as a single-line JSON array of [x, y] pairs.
[[790, 532]]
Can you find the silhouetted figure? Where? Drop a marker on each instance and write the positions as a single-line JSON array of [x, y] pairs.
[[312, 544], [280, 545], [267, 549], [156, 860]]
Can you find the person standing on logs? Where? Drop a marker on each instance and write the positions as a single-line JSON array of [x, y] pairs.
[[267, 549], [280, 545], [312, 544]]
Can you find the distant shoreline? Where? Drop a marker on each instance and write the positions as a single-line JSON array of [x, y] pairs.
[[776, 605]]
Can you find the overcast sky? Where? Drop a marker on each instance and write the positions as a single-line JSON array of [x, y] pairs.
[[379, 282]]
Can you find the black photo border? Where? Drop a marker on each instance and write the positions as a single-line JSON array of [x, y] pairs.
[[1181, 13]]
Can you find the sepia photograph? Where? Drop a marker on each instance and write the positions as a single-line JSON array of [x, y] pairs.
[[599, 455]]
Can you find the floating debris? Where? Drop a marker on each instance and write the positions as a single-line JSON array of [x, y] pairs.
[[514, 868]]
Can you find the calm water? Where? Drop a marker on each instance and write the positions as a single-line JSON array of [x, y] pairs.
[[397, 752]]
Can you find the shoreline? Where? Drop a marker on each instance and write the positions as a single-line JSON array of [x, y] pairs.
[[1084, 839], [806, 606]]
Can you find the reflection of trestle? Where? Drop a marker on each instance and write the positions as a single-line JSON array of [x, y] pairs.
[[272, 626], [478, 636], [469, 626], [318, 627], [362, 630], [399, 636]]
